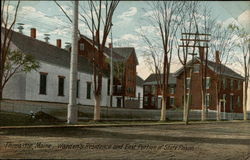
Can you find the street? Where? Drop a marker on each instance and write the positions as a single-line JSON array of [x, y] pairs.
[[224, 140]]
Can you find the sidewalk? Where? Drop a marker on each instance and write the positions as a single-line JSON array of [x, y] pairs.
[[119, 125]]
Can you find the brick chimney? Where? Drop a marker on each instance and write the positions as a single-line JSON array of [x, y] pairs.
[[217, 57], [110, 45], [59, 43], [202, 53], [33, 32]]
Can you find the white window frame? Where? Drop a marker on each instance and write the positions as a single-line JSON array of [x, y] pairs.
[[172, 90], [207, 100], [173, 98], [208, 82], [188, 82]]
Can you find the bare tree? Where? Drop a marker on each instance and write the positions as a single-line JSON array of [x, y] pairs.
[[163, 16], [206, 24], [97, 16], [222, 45], [187, 26], [7, 24], [243, 43]]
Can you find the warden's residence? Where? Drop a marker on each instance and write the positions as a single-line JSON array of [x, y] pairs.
[[51, 82], [230, 91]]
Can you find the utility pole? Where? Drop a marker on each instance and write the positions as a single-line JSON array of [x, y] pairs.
[[72, 107], [111, 69]]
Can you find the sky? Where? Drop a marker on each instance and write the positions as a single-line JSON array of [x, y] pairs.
[[129, 16]]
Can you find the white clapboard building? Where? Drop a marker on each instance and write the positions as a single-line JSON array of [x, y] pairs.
[[50, 83]]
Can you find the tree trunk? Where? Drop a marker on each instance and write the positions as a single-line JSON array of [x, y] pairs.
[[184, 103], [203, 112], [217, 103], [187, 106], [245, 87], [1, 93], [97, 108], [163, 109]]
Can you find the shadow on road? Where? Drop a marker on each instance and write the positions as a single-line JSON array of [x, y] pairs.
[[99, 133]]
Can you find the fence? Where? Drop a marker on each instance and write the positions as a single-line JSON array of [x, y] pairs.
[[86, 112]]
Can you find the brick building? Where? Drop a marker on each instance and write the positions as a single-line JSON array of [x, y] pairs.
[[230, 92], [231, 87], [125, 61], [152, 96]]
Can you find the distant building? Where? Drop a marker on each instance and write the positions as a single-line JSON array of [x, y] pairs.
[[230, 92], [50, 82], [231, 89], [152, 96]]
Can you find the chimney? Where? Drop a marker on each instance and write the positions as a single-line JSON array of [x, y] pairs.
[[59, 43], [217, 57], [33, 32], [110, 45], [202, 53]]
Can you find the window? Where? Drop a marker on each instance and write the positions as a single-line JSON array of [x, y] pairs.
[[224, 97], [77, 88], [231, 102], [188, 83], [43, 83], [238, 101], [231, 84], [61, 85], [81, 46], [239, 85], [88, 90], [119, 88], [190, 100], [196, 68], [153, 101], [171, 101], [139, 96], [147, 89], [153, 89], [108, 89], [224, 83], [145, 100], [208, 82], [172, 90], [207, 100]]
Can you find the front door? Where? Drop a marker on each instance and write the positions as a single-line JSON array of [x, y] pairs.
[[119, 102]]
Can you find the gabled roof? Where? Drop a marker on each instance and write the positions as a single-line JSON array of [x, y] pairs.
[[126, 52], [48, 53], [107, 51], [139, 81], [119, 53], [226, 71], [152, 79]]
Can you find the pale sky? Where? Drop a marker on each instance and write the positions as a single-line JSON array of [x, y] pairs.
[[47, 17]]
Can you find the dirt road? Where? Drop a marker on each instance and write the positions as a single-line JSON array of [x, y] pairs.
[[218, 141]]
